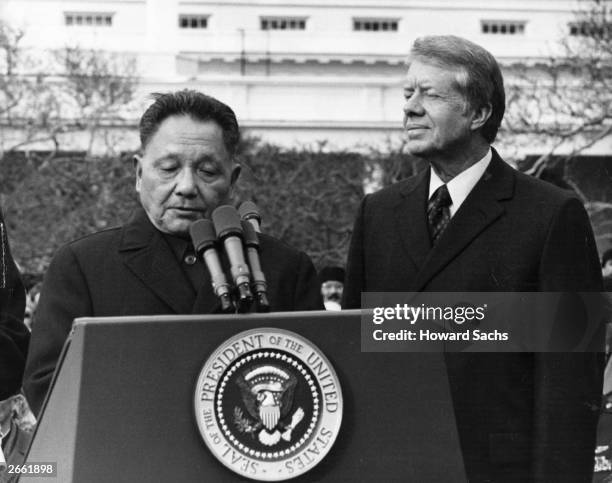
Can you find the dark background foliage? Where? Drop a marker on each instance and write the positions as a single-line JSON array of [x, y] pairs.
[[48, 203], [308, 198]]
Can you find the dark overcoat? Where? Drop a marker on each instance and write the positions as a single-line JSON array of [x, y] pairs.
[[520, 417], [132, 270]]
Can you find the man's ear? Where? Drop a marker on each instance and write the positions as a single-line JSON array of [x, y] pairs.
[[481, 116], [236, 169], [137, 160]]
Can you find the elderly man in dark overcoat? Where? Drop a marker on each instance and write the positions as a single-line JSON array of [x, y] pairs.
[[186, 169], [472, 223]]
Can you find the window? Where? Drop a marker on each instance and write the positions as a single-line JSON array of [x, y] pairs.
[[502, 27], [375, 24], [282, 23], [89, 19], [589, 29], [188, 21]]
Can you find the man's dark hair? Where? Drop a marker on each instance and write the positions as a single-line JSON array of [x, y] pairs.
[[607, 255], [191, 103], [479, 77]]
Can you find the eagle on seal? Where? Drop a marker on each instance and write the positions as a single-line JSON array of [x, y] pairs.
[[267, 393]]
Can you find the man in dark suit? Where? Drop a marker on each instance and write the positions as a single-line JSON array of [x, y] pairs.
[[14, 338], [187, 169], [472, 223], [14, 335]]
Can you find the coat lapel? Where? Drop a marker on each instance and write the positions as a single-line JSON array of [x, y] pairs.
[[479, 210], [206, 301], [411, 218], [145, 252]]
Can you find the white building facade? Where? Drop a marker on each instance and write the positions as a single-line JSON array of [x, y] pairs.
[[296, 72]]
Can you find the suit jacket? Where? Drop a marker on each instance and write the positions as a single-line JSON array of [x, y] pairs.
[[131, 270], [14, 335], [520, 417]]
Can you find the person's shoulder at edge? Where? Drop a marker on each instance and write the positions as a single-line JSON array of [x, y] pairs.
[[388, 196], [298, 265], [269, 242], [398, 187], [540, 188]]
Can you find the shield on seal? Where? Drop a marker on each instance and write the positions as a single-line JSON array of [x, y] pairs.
[[267, 393]]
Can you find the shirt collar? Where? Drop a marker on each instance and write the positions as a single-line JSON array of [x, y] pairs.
[[460, 186]]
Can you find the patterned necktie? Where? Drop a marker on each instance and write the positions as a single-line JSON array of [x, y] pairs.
[[438, 214]]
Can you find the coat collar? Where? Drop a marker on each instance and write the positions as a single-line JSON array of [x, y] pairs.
[[481, 208], [147, 255]]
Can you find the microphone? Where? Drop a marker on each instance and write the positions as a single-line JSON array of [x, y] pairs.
[[204, 239], [251, 241], [227, 224], [249, 212]]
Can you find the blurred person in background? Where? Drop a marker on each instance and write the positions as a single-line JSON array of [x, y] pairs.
[[33, 284], [332, 286]]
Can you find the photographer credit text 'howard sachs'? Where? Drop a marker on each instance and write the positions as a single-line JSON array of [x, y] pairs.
[[482, 322]]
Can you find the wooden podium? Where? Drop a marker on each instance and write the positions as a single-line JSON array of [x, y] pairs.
[[121, 406]]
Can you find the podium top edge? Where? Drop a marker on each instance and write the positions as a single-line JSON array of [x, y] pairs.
[[267, 317]]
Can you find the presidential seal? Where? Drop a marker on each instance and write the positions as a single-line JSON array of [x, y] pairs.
[[268, 404]]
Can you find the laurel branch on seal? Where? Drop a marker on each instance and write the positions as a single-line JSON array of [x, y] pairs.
[[244, 424]]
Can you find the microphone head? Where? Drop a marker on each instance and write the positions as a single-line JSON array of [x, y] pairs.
[[227, 221], [203, 235], [249, 210], [250, 235]]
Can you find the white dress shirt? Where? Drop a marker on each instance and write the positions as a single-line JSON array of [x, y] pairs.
[[460, 186]]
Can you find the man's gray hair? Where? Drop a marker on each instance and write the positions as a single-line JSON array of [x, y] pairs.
[[479, 77]]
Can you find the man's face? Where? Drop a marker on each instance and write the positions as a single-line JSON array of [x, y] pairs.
[[606, 271], [332, 290], [437, 119], [184, 173]]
